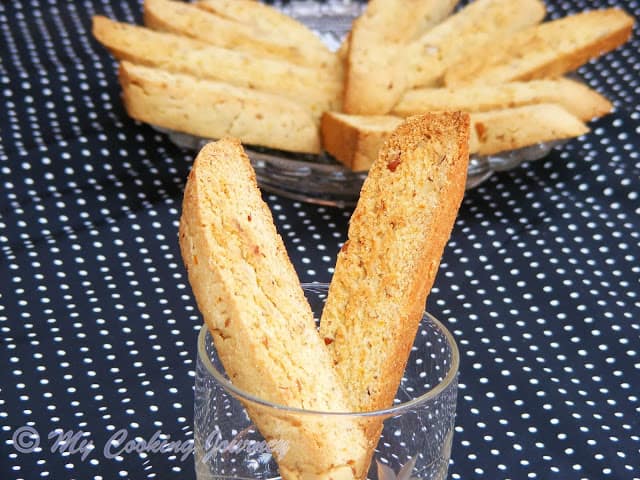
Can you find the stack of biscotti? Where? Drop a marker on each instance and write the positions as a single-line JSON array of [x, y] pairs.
[[375, 52], [240, 67], [354, 140], [262, 327], [504, 116], [496, 59], [216, 67], [418, 58]]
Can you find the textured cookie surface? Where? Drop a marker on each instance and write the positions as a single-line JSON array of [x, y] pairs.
[[212, 110], [396, 237], [262, 326]]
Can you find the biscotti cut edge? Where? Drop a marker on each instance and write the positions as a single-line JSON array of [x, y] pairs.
[[576, 97], [182, 54], [460, 36], [513, 128], [550, 49], [375, 75], [355, 145], [213, 110], [266, 19], [187, 19]]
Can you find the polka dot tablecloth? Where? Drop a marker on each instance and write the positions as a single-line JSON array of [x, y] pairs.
[[539, 282]]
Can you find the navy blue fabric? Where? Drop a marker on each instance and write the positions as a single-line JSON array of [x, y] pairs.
[[539, 282]]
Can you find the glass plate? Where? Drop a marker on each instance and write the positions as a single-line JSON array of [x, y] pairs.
[[321, 179]]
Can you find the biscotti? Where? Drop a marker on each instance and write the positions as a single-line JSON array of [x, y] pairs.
[[354, 140], [376, 46], [397, 233], [456, 39], [379, 70], [402, 57], [189, 20], [513, 128], [213, 110], [550, 49], [262, 326], [575, 97], [182, 54], [266, 20]]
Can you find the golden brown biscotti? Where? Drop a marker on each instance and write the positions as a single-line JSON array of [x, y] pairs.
[[548, 50], [262, 326], [397, 234], [181, 54], [400, 21], [189, 20], [266, 20], [457, 38], [426, 15], [576, 97], [354, 140], [512, 128], [387, 69], [375, 51], [213, 110]]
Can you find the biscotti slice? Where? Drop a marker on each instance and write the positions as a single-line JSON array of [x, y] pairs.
[[374, 77], [550, 49], [189, 20], [354, 140], [576, 97], [513, 128], [265, 19], [397, 234], [428, 15], [453, 40], [213, 110], [262, 326], [181, 54]]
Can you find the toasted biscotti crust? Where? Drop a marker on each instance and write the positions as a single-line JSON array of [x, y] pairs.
[[189, 20], [213, 110], [181, 54], [262, 326], [403, 219], [548, 50], [577, 98]]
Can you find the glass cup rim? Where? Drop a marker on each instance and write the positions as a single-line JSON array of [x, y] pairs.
[[391, 411]]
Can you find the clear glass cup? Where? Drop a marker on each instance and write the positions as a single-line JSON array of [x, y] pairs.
[[415, 441]]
